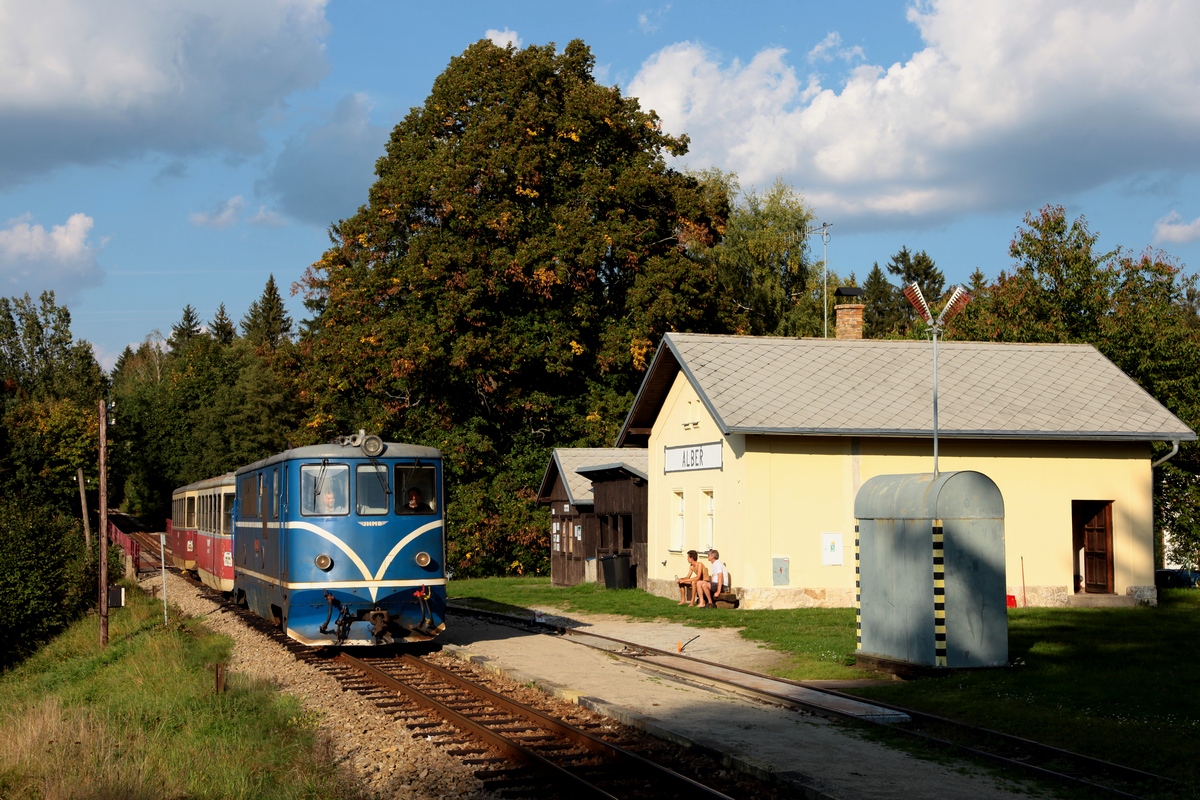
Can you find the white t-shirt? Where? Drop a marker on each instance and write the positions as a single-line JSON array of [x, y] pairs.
[[718, 575]]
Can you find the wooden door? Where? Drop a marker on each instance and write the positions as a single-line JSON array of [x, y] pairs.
[[1093, 522]]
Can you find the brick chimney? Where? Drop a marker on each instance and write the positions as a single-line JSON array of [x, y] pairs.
[[849, 320]]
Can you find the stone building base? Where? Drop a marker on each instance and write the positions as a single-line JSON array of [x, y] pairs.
[[769, 598], [787, 597]]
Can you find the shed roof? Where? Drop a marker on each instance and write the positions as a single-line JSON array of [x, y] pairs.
[[874, 387], [566, 461]]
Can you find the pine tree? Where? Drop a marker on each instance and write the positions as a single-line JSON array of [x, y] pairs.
[[222, 328], [267, 323], [187, 329], [915, 268], [881, 315]]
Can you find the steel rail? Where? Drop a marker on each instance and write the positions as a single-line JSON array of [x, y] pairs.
[[1117, 771], [511, 749], [515, 750], [582, 738]]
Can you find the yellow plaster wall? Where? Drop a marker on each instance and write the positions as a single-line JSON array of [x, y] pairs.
[[684, 420], [776, 494]]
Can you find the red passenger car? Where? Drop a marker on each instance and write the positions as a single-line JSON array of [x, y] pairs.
[[201, 530]]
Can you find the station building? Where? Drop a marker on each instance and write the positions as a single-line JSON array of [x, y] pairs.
[[758, 445]]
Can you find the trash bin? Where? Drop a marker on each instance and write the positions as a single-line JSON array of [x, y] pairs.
[[616, 570]]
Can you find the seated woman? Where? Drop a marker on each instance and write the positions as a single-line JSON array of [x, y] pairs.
[[696, 572]]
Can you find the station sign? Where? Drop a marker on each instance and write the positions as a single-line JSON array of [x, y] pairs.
[[691, 457]]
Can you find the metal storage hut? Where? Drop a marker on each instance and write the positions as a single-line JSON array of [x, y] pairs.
[[930, 561]]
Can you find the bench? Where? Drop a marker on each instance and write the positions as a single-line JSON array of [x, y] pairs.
[[727, 600]]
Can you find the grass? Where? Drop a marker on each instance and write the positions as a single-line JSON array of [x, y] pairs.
[[140, 719], [1119, 684], [819, 642]]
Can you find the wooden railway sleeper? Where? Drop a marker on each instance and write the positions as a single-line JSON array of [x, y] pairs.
[[589, 741]]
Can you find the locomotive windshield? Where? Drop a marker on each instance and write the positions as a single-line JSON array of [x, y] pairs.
[[371, 485], [415, 490], [324, 489]]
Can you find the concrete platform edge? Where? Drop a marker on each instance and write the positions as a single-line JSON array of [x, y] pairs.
[[806, 786]]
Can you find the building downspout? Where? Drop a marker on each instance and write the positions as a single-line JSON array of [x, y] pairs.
[[1168, 456]]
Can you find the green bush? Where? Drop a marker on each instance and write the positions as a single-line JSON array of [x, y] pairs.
[[47, 577]]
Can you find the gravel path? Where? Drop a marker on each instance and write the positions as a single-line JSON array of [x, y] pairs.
[[378, 752]]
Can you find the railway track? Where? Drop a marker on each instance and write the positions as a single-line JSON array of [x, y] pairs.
[[1092, 776], [514, 749], [517, 750], [518, 769]]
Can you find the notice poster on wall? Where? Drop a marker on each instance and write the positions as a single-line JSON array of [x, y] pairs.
[[831, 550]]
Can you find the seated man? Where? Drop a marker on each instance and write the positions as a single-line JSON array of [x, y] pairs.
[[697, 573], [717, 584]]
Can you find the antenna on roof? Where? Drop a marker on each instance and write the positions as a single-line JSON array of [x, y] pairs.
[[957, 302]]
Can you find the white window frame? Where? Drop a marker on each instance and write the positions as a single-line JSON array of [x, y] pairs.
[[710, 517], [679, 523]]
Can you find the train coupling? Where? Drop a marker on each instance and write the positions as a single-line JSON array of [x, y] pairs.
[[379, 618]]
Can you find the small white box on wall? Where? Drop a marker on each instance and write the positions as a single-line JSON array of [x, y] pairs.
[[832, 553]]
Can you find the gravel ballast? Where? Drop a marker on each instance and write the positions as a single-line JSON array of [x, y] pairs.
[[379, 753]]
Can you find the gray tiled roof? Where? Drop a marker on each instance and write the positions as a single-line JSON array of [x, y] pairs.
[[570, 459], [885, 387]]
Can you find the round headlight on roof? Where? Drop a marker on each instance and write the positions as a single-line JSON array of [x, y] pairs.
[[423, 559], [323, 562], [372, 446]]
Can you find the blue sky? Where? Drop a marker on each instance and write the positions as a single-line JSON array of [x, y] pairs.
[[154, 154]]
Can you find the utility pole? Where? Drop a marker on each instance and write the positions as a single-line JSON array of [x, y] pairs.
[[103, 533]]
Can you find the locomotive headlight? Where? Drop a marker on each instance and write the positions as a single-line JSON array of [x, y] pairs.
[[423, 559], [323, 562]]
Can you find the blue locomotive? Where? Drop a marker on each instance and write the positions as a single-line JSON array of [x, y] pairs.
[[343, 543]]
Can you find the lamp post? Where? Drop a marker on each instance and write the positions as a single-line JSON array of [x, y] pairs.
[[824, 233], [958, 300]]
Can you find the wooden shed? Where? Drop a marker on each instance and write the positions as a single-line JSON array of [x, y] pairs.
[[597, 498]]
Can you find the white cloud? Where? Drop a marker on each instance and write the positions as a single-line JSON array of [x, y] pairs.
[[1009, 105], [1172, 228], [84, 82], [831, 47], [225, 214], [503, 38], [61, 259], [323, 173], [267, 218], [651, 21]]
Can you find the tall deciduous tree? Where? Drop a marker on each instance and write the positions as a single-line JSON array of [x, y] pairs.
[[764, 255], [1133, 308], [523, 250]]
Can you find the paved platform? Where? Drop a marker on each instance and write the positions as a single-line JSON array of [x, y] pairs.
[[818, 757]]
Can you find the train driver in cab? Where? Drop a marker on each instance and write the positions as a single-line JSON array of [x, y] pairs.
[[415, 504], [330, 503]]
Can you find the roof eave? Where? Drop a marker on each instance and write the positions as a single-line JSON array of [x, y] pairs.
[[1111, 436], [619, 465]]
